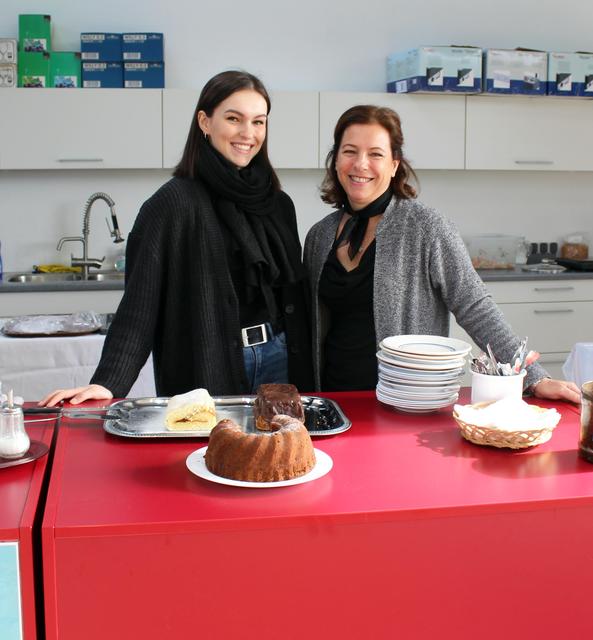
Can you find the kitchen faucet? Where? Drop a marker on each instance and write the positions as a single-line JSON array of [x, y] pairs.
[[85, 262]]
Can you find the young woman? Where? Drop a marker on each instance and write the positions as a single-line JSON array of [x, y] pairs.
[[215, 286], [384, 264]]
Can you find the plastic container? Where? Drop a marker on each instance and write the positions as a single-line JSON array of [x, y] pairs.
[[575, 247], [494, 251]]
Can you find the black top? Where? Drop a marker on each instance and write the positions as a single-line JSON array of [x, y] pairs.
[[251, 312], [350, 362], [180, 302]]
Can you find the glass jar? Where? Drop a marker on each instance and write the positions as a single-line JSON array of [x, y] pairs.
[[14, 441]]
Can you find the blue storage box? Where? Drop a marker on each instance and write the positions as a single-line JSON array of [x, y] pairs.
[[142, 47], [100, 47], [435, 69], [144, 75], [521, 71], [102, 75]]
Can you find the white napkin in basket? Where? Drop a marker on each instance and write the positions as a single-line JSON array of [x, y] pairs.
[[509, 414]]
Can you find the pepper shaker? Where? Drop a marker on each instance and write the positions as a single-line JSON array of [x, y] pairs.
[[14, 441]]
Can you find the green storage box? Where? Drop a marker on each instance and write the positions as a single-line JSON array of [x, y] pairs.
[[64, 69], [34, 33], [33, 70]]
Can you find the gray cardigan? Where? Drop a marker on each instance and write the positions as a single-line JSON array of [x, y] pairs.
[[422, 272]]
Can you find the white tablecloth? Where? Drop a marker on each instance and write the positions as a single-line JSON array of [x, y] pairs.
[[579, 365], [33, 367]]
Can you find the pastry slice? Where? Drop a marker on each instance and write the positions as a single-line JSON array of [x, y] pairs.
[[193, 411]]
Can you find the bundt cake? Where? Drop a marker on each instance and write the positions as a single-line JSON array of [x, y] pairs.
[[276, 399], [189, 411], [283, 453]]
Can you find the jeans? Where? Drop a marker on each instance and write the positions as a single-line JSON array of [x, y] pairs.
[[266, 362]]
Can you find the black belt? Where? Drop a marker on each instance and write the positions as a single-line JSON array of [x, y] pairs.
[[258, 334]]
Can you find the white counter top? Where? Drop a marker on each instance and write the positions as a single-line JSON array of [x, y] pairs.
[[33, 367]]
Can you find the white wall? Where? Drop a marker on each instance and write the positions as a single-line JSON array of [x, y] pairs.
[[337, 45]]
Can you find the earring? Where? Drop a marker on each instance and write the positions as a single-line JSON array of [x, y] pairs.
[[205, 136]]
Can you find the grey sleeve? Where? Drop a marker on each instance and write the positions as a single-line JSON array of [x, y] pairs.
[[468, 299]]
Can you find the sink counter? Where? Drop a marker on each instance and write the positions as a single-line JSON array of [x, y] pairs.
[[98, 283], [517, 274]]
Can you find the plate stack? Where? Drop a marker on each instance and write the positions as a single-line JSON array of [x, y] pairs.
[[418, 374]]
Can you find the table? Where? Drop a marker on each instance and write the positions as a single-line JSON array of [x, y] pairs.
[[415, 533], [33, 367], [21, 488]]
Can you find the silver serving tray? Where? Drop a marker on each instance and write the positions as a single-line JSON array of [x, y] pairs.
[[145, 417]]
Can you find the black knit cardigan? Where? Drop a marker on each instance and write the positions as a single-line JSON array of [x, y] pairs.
[[180, 303]]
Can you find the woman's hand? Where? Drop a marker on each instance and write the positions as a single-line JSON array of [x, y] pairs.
[[557, 390], [76, 395]]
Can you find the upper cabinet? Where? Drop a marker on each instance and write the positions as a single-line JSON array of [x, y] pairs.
[[293, 127], [147, 128], [433, 126], [513, 133], [80, 129]]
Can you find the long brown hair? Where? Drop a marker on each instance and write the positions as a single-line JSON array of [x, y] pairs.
[[332, 191], [217, 89]]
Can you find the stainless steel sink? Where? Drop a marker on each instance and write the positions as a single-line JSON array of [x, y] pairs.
[[115, 276], [40, 278]]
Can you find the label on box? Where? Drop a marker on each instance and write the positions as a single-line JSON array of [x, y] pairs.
[[134, 37], [34, 82], [35, 44], [7, 75], [7, 51], [65, 82], [89, 55], [131, 55]]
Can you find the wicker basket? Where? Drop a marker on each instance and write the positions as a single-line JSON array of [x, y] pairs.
[[499, 437]]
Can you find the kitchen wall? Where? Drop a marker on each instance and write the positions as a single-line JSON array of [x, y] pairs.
[[337, 45]]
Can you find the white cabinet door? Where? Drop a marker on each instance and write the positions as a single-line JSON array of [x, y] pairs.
[[80, 129], [433, 126], [293, 127], [531, 133], [178, 110]]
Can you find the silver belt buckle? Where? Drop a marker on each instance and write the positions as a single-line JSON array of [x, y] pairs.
[[254, 335]]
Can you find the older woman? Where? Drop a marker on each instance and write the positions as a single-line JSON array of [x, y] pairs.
[[384, 264], [215, 287]]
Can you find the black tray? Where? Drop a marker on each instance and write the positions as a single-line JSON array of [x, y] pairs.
[[577, 265]]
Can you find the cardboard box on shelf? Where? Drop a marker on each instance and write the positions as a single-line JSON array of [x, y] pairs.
[[8, 51], [8, 76], [522, 71], [142, 47], [64, 69], [33, 70], [34, 33], [102, 75], [435, 69], [144, 75], [100, 47]]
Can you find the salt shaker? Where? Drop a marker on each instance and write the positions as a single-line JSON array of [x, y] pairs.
[[14, 441]]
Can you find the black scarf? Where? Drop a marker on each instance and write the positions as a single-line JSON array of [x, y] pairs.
[[355, 228], [246, 202]]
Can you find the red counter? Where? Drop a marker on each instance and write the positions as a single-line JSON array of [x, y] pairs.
[[20, 490], [414, 533]]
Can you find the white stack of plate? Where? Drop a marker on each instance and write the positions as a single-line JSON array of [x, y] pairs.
[[418, 374]]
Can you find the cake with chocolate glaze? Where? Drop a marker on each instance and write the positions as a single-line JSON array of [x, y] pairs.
[[276, 399]]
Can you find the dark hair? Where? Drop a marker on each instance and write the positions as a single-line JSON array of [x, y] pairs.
[[217, 89], [332, 191]]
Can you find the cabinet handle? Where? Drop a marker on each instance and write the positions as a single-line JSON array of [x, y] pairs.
[[79, 160], [534, 162], [553, 288], [553, 311]]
